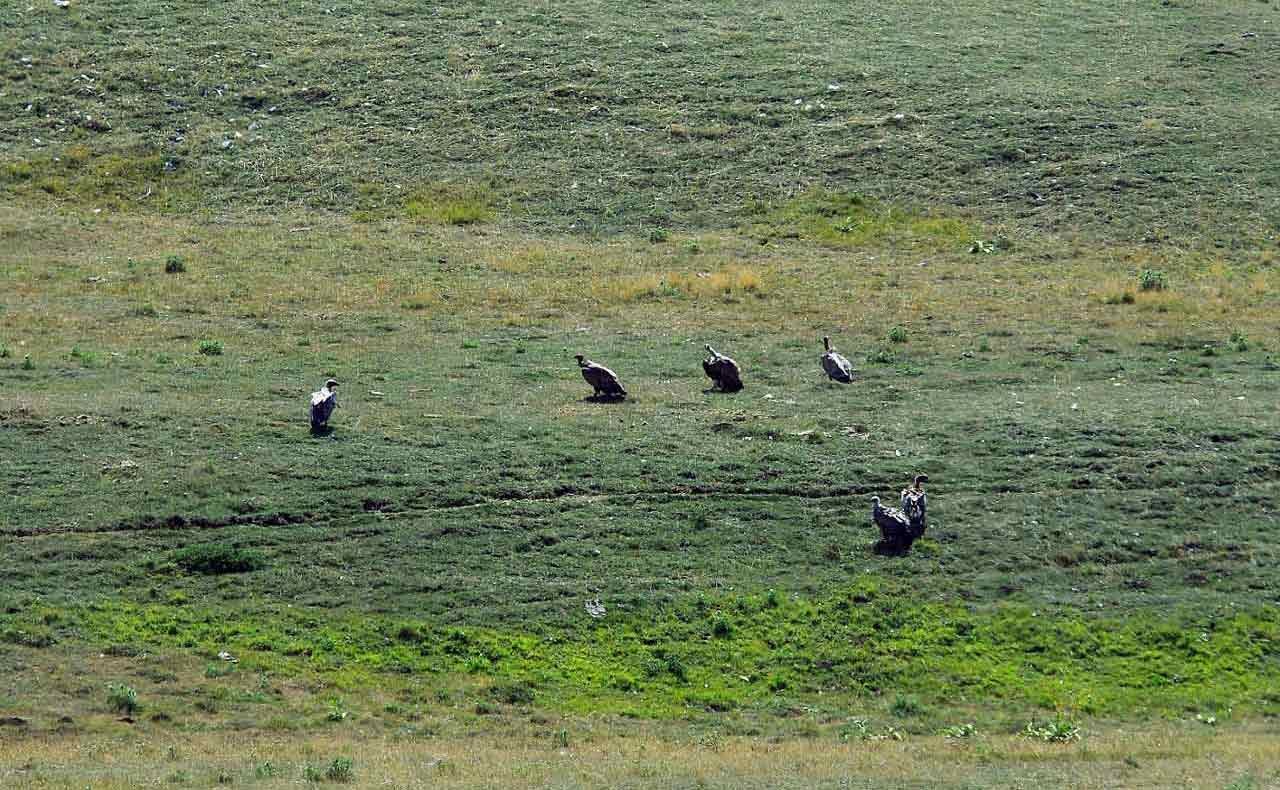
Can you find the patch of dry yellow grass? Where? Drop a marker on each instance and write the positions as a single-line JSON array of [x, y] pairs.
[[99, 282], [599, 756]]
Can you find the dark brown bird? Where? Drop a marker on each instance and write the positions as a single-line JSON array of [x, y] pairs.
[[834, 363], [914, 503], [323, 402], [602, 380], [723, 371], [895, 527]]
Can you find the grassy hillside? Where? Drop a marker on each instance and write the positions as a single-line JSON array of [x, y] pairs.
[[1055, 273], [1137, 120]]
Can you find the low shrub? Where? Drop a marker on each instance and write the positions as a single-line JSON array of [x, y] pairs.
[[1060, 729], [122, 698]]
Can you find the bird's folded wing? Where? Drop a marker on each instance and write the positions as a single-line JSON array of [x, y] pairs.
[[320, 397]]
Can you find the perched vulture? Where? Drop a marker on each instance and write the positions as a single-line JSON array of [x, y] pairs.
[[323, 402], [914, 503], [602, 380], [895, 527], [723, 371], [834, 363]]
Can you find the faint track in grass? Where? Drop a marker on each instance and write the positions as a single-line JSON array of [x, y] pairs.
[[412, 508]]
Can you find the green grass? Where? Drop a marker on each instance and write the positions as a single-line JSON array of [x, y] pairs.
[[597, 116]]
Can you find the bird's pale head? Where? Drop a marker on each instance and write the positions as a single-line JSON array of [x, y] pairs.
[[921, 479], [331, 383], [579, 357], [875, 500]]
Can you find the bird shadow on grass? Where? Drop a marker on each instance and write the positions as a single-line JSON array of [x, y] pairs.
[[321, 431], [717, 391], [604, 399], [891, 548]]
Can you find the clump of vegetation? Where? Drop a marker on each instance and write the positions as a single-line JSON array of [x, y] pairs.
[[87, 358], [657, 235], [122, 698], [218, 558], [4, 351], [906, 705], [721, 628], [1059, 729], [882, 356], [1122, 297], [340, 769], [861, 730], [174, 265], [337, 711], [897, 334], [211, 348], [1152, 280], [999, 243], [967, 730], [512, 693], [1239, 342], [27, 364]]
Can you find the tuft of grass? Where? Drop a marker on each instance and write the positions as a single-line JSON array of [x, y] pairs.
[[721, 628], [174, 264], [884, 356], [449, 204], [905, 705], [897, 334], [512, 693], [210, 348], [1152, 280], [218, 558], [1120, 297], [728, 284]]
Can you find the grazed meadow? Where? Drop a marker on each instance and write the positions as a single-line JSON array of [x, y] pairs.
[[1045, 234]]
